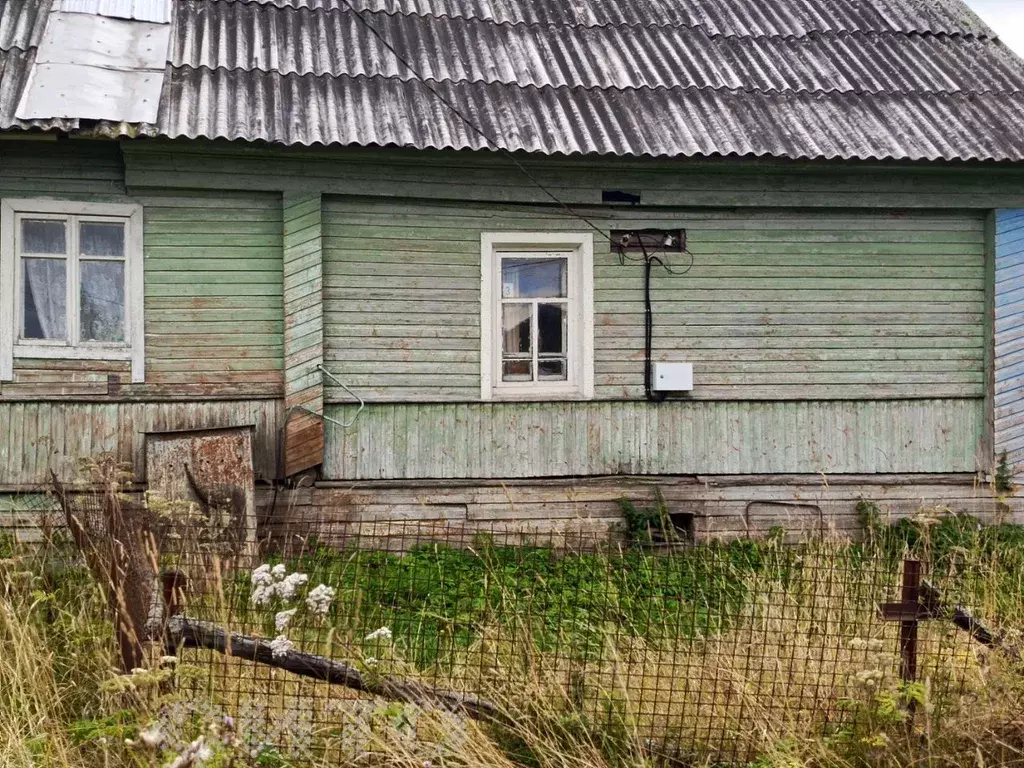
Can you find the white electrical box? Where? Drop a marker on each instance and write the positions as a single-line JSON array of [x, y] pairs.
[[672, 377]]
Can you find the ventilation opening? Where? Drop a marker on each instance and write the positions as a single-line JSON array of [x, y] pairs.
[[684, 524], [620, 196]]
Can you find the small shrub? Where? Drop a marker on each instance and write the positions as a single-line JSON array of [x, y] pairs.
[[648, 525]]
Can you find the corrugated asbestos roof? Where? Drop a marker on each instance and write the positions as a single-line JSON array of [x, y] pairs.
[[836, 79]]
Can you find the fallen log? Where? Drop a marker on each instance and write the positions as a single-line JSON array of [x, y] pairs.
[[962, 618], [182, 632]]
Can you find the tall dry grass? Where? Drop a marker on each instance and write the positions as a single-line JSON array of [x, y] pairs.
[[802, 674]]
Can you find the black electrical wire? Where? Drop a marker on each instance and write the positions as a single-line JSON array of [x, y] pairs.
[[648, 260], [652, 396]]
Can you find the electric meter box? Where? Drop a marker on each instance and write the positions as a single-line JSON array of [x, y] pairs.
[[672, 377]]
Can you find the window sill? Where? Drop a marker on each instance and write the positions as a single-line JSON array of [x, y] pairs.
[[55, 352], [537, 395]]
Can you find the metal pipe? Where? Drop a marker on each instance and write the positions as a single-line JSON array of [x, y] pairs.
[[344, 386]]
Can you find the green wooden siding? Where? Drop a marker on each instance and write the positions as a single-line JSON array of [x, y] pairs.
[[521, 440], [69, 170], [36, 437], [777, 305], [64, 170], [213, 263], [487, 176], [214, 292]]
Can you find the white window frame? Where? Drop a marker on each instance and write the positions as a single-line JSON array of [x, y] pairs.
[[11, 346], [579, 247]]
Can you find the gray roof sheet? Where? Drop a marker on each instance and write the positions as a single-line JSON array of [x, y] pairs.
[[306, 109], [719, 17], [836, 79], [248, 36], [22, 23]]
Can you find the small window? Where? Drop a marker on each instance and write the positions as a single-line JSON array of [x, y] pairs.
[[537, 316], [71, 282]]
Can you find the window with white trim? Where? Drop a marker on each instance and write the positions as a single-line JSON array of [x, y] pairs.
[[71, 283], [537, 306]]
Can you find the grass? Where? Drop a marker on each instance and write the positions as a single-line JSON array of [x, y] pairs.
[[721, 653]]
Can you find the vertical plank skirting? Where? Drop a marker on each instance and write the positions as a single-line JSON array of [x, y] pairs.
[[1009, 335], [37, 437], [578, 439], [303, 333]]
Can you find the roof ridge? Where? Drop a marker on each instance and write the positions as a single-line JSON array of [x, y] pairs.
[[605, 89], [324, 9]]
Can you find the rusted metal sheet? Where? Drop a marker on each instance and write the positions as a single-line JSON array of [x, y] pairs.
[[528, 440], [212, 469]]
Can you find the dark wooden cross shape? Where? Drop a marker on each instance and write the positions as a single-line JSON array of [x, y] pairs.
[[909, 612], [919, 602]]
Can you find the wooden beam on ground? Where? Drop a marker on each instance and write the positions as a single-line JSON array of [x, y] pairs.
[[182, 632]]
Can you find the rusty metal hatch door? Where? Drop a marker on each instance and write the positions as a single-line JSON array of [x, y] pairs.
[[212, 469]]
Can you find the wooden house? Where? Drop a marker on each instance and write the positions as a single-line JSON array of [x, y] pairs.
[[412, 245]]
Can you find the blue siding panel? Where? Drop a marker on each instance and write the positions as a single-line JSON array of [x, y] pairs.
[[1009, 300]]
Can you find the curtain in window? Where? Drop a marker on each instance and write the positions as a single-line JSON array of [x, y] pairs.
[[45, 299]]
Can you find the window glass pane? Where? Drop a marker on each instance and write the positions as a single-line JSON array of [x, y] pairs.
[[552, 369], [552, 329], [517, 370], [42, 236], [102, 304], [534, 278], [101, 238], [44, 298], [517, 330]]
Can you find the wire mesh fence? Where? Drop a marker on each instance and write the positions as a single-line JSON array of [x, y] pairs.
[[310, 634]]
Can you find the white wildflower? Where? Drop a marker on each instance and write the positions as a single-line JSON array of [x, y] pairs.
[[204, 754], [170, 660], [282, 619], [287, 588], [858, 644], [261, 576], [876, 645], [319, 599], [278, 571], [152, 737], [262, 581], [370, 661], [280, 646], [380, 634]]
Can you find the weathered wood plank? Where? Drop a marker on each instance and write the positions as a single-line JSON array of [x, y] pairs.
[[769, 297], [1006, 374], [594, 438], [724, 183], [303, 332]]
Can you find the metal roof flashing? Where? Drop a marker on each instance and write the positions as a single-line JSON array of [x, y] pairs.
[[91, 66]]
